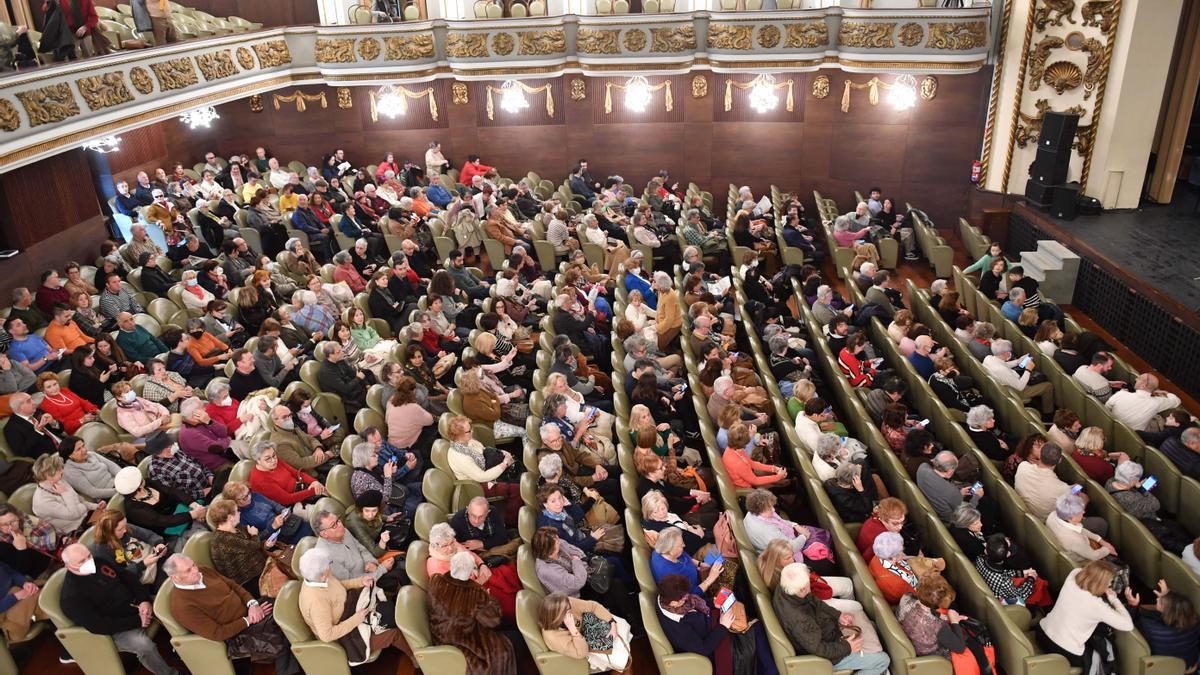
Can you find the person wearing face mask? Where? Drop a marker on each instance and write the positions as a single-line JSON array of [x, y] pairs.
[[139, 417], [296, 448], [164, 214]]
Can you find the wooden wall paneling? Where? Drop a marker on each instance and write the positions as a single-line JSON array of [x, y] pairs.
[[740, 110], [533, 115], [141, 145], [655, 112], [79, 242], [45, 198]]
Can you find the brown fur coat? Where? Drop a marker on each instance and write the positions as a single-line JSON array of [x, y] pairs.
[[462, 614]]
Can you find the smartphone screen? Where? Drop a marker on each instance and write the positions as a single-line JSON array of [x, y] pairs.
[[1076, 489], [1149, 483], [924, 422], [335, 427], [714, 556], [1024, 362], [725, 599], [273, 538], [977, 486]]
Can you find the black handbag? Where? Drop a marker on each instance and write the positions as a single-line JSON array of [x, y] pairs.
[[493, 458], [600, 574]]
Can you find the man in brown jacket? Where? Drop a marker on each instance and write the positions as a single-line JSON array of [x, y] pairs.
[[297, 448], [216, 608]]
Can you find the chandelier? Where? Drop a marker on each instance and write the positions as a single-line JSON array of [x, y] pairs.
[[104, 145], [390, 101], [200, 117], [512, 97], [762, 93], [637, 94], [903, 94]]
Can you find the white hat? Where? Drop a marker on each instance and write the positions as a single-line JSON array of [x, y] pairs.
[[128, 480]]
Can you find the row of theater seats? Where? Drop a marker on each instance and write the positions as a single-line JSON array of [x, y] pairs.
[[122, 33]]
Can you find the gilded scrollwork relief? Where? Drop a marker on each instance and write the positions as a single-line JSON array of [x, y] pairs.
[[864, 35], [466, 45], [10, 119], [256, 103], [1101, 13], [141, 80], [502, 44], [175, 74], [910, 34], [1038, 56], [408, 47], [1062, 76], [542, 42], [273, 53], [49, 104], [1053, 12], [104, 91], [958, 35], [699, 86], [634, 40], [335, 50], [593, 41], [806, 35], [344, 101], [245, 58], [768, 37], [732, 37], [578, 89], [820, 87], [216, 65], [672, 40], [368, 49], [458, 93]]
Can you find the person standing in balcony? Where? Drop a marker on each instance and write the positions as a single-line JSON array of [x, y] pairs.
[[159, 13]]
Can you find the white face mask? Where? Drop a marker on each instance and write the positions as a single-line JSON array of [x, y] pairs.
[[129, 397], [286, 425], [306, 409], [88, 568], [192, 282], [228, 400]]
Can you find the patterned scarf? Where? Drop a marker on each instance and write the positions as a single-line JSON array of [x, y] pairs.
[[471, 452], [901, 569], [691, 603]]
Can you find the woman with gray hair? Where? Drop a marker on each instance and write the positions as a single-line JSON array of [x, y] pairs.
[[1133, 493], [369, 475], [462, 614], [585, 503], [324, 603], [848, 493], [895, 573], [299, 261], [657, 517], [669, 558], [1066, 524], [966, 526]]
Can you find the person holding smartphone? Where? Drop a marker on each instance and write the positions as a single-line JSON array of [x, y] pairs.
[[1002, 367]]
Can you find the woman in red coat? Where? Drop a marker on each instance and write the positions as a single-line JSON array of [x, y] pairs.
[[277, 481], [64, 405], [222, 407]]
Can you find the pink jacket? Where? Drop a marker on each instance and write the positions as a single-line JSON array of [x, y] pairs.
[[140, 420]]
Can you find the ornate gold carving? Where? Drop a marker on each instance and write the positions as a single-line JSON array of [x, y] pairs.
[[806, 35], [732, 37], [502, 44], [542, 43], [699, 87], [216, 65], [1098, 57], [174, 74], [458, 93], [592, 41], [104, 91], [49, 104], [1063, 75], [910, 34], [10, 120], [864, 35], [820, 87], [768, 37], [466, 45], [300, 98], [368, 49], [957, 36], [141, 80], [256, 104], [344, 101], [1037, 59], [1061, 9], [929, 85], [273, 53], [408, 47], [1101, 13], [578, 90], [335, 50], [1031, 127], [245, 58], [635, 40], [671, 40]]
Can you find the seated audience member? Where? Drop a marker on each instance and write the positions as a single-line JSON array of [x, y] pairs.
[[55, 501], [266, 515], [139, 417], [603, 538], [1183, 451], [1130, 491], [89, 473], [890, 516], [933, 628], [1028, 449], [63, 333], [218, 609], [31, 349], [161, 510], [279, 482], [743, 471], [692, 625], [464, 615], [350, 559], [236, 550], [1078, 543], [1002, 366], [481, 529], [323, 599], [31, 432], [104, 598], [560, 619], [816, 628], [935, 482], [764, 524], [1004, 572], [895, 572], [1142, 408], [295, 447], [1085, 601], [848, 493], [137, 343], [1067, 427], [657, 516], [1170, 625], [1092, 457], [1039, 487], [1093, 377], [981, 428], [470, 460]]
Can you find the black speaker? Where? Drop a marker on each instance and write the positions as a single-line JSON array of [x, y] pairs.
[[1089, 206], [1058, 131], [1051, 165], [1039, 193], [1066, 201]]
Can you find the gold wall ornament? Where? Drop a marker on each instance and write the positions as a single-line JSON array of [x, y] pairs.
[[872, 86], [502, 44], [733, 37], [216, 65], [256, 103], [245, 58], [1101, 13], [820, 87], [806, 35], [402, 98], [545, 88], [928, 89], [787, 84], [10, 119], [141, 80], [1037, 59], [466, 45], [1031, 125], [49, 104], [175, 74], [672, 40], [104, 91], [910, 34], [1060, 9], [864, 35], [408, 47], [593, 41], [344, 100], [542, 43], [578, 90], [635, 40], [1098, 57], [458, 93], [957, 36], [668, 98], [768, 37], [699, 87], [273, 53], [368, 49], [335, 50], [300, 98], [1063, 75]]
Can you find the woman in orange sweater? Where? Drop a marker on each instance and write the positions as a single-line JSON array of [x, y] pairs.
[[742, 469], [204, 348]]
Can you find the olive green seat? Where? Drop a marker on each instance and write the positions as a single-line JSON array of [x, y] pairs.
[[412, 616], [199, 654], [548, 662], [314, 655], [96, 654]]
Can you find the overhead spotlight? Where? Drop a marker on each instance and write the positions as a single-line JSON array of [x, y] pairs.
[[200, 117], [390, 101], [762, 93], [512, 97], [904, 92], [104, 145], [637, 94]]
